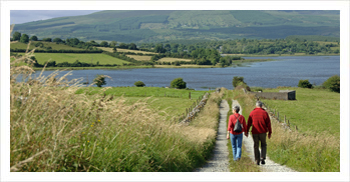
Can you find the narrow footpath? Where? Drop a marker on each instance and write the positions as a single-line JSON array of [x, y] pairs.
[[219, 161], [248, 143]]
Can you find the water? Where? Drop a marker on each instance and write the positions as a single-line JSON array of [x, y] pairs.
[[287, 71]]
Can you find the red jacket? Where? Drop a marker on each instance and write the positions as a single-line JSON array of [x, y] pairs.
[[232, 121], [260, 121]]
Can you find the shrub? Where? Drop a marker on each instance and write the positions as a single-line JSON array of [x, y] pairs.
[[139, 84], [100, 80], [333, 83], [304, 84], [178, 83], [236, 80]]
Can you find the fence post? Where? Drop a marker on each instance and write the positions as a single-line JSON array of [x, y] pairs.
[[278, 116], [284, 118], [296, 127]]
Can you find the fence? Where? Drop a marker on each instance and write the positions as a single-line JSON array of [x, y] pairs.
[[275, 114]]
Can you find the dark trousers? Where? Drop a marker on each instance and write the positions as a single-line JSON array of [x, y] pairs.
[[259, 138]]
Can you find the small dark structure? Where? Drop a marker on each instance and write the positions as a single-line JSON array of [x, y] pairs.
[[281, 95]]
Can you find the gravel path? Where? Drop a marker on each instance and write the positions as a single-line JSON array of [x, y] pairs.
[[270, 166], [219, 161]]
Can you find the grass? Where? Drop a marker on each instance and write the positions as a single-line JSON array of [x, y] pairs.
[[125, 50], [317, 152], [173, 59], [160, 100], [312, 112], [55, 129], [140, 58], [144, 92], [54, 46], [42, 58]]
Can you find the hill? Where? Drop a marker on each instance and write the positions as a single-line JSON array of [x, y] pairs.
[[162, 25]]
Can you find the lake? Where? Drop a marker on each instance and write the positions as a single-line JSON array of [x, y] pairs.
[[284, 71]]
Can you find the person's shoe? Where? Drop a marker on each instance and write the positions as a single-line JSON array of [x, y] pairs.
[[238, 159], [257, 162], [262, 161]]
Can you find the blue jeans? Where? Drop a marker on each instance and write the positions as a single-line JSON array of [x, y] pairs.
[[236, 142]]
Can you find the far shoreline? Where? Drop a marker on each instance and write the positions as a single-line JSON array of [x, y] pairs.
[[234, 63]]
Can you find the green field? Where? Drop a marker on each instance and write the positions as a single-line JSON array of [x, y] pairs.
[[313, 110], [313, 148], [42, 58], [54, 46], [145, 92], [165, 101]]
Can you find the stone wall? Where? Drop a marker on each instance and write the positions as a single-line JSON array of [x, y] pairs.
[[281, 95]]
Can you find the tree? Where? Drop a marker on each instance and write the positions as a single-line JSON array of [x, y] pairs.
[[34, 38], [24, 38], [178, 83], [139, 84], [114, 49], [132, 46], [47, 39], [304, 84], [104, 44], [57, 40], [113, 43], [16, 36], [237, 80], [100, 80], [333, 83]]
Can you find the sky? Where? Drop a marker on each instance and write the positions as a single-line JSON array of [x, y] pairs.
[[24, 16]]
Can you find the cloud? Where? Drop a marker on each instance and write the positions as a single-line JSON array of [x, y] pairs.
[[23, 16]]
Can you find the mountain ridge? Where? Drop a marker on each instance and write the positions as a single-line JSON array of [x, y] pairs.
[[161, 25]]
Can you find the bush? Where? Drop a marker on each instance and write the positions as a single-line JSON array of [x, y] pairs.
[[139, 84], [236, 80], [178, 83], [100, 80], [304, 84], [333, 83]]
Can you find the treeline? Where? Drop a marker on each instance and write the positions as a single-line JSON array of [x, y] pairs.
[[199, 56], [249, 46]]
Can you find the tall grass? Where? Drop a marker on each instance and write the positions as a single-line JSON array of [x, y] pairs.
[[318, 152], [55, 129]]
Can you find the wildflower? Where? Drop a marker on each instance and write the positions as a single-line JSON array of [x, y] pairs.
[[88, 141], [82, 132], [99, 120], [105, 148], [92, 125]]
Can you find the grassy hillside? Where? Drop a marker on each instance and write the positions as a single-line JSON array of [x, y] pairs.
[[155, 26], [42, 58]]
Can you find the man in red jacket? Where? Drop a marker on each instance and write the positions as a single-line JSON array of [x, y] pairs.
[[261, 123]]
